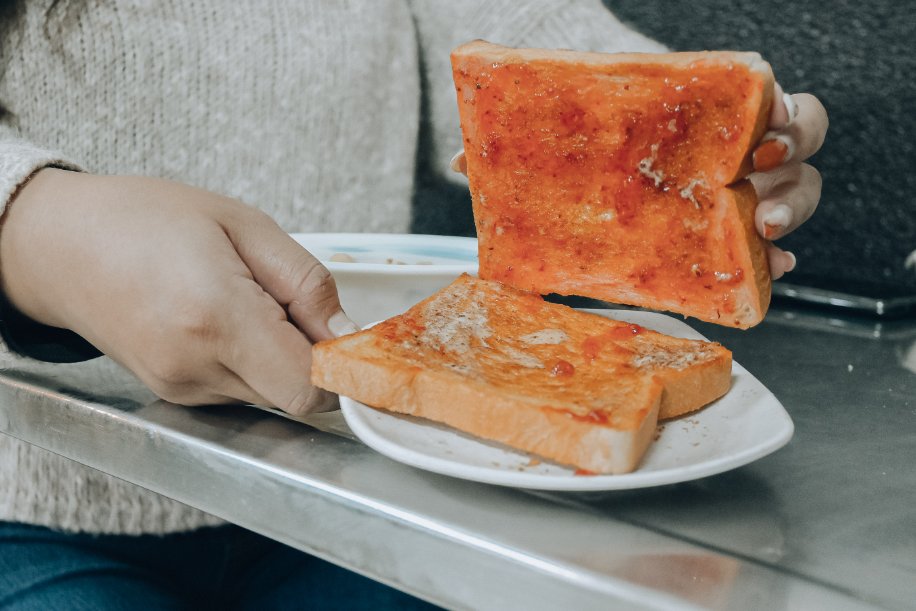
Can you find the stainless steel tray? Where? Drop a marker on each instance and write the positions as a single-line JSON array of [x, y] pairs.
[[890, 306]]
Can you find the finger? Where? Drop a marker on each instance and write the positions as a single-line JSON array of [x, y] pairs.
[[270, 355], [292, 276], [193, 393], [781, 261], [212, 385], [784, 109], [459, 163], [236, 390], [197, 397], [328, 401], [787, 197], [799, 139]]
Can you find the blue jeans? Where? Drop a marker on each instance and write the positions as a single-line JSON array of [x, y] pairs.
[[214, 568]]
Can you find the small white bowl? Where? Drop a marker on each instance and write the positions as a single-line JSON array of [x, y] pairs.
[[381, 275]]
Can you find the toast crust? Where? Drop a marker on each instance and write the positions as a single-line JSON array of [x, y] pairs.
[[504, 365], [618, 176]]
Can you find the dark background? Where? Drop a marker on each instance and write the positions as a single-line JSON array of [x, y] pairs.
[[859, 58]]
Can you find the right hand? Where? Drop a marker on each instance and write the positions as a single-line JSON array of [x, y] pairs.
[[204, 298], [788, 190]]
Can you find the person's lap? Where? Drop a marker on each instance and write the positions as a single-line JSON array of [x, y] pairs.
[[221, 568]]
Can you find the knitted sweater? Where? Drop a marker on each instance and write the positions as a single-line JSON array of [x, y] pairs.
[[308, 109]]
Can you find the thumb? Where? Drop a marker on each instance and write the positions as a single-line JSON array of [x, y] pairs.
[[291, 275]]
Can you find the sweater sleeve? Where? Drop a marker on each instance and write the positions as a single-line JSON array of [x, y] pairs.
[[584, 25], [19, 160]]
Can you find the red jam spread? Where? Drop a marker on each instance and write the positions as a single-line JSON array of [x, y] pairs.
[[610, 180]]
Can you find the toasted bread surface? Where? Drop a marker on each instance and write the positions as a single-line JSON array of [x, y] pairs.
[[505, 365], [618, 176]]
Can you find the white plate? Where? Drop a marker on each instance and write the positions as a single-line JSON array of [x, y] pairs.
[[391, 272], [746, 424], [393, 253]]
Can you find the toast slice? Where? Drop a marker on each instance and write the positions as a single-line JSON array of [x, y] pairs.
[[618, 176], [504, 365]]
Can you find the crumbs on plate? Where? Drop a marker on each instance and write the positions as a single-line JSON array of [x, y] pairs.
[[342, 257]]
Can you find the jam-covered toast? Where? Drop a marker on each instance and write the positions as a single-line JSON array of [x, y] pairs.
[[505, 365], [618, 176]]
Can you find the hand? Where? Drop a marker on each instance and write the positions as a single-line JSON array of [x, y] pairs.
[[788, 190], [205, 299]]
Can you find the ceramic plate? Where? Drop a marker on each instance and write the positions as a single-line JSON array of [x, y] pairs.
[[384, 274], [746, 424], [391, 253]]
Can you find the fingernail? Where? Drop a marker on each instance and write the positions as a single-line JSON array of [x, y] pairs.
[[910, 261], [776, 221], [340, 324], [772, 153], [792, 261], [459, 163], [791, 107]]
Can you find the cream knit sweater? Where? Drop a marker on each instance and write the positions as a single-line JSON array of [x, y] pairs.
[[309, 109]]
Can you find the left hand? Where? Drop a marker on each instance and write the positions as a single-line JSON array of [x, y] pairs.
[[205, 299]]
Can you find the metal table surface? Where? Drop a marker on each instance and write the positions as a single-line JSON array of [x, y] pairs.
[[826, 522]]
